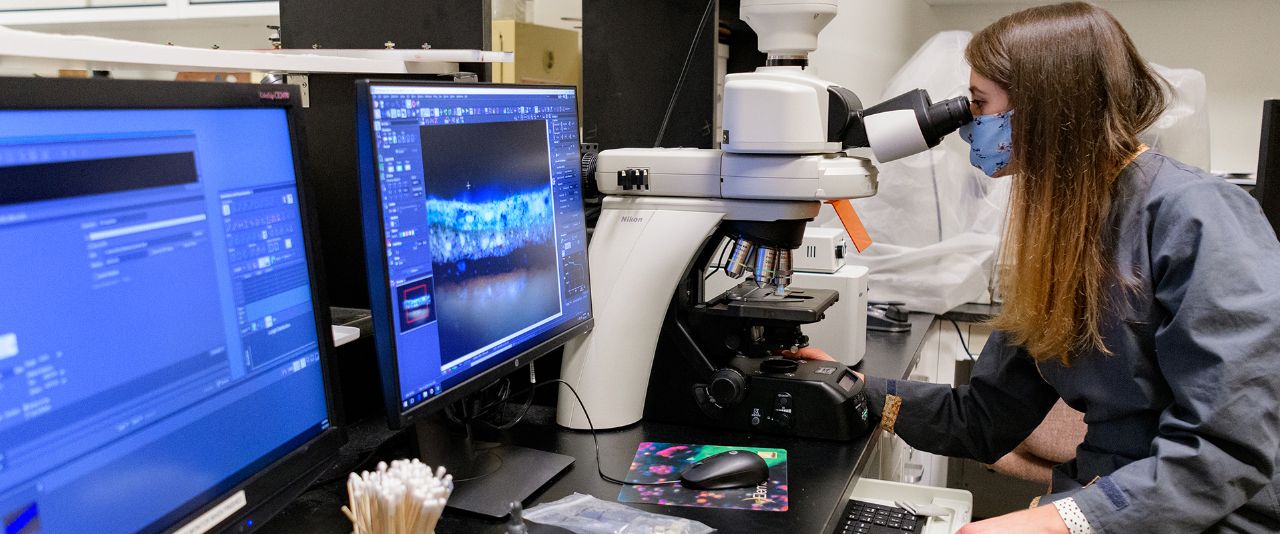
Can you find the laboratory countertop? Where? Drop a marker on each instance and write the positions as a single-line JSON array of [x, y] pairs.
[[353, 317], [972, 312], [821, 473]]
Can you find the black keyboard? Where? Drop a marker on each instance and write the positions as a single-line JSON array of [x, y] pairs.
[[862, 517]]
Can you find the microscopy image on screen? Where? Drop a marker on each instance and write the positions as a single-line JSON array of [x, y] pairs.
[[417, 304], [492, 235]]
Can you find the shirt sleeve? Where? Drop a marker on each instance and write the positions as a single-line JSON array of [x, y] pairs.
[[1005, 400], [1214, 271]]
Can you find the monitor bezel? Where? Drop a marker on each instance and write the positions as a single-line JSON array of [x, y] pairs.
[[379, 278], [276, 484]]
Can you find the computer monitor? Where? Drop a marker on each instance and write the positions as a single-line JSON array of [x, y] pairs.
[[1267, 188], [162, 343], [472, 203]]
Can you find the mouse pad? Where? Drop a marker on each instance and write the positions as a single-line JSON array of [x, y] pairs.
[[663, 462]]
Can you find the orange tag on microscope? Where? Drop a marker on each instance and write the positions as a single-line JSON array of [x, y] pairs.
[[852, 224]]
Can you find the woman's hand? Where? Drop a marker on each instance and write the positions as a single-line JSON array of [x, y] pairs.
[[1039, 520], [814, 353], [809, 353]]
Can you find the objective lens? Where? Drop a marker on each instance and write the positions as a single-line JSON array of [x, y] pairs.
[[739, 259], [766, 265], [782, 278]]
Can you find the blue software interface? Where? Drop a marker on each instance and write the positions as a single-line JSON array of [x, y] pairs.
[[485, 238], [157, 337]]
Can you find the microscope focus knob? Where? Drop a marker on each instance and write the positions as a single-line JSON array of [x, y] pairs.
[[778, 366], [728, 387]]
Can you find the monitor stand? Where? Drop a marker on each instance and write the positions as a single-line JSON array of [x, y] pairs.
[[487, 477]]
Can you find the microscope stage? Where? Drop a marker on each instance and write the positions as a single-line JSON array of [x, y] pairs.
[[798, 306]]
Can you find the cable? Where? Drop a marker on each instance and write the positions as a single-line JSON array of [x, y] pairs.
[[534, 384], [684, 71], [937, 199], [962, 342], [355, 469], [719, 261], [467, 416], [528, 402], [594, 438]]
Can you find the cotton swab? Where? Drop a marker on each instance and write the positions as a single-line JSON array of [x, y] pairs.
[[405, 497]]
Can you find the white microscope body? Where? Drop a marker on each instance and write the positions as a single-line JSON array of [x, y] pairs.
[[786, 133]]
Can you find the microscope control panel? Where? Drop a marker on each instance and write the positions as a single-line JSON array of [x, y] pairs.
[[817, 399]]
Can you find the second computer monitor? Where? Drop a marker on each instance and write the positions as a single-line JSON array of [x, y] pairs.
[[474, 226], [163, 347]]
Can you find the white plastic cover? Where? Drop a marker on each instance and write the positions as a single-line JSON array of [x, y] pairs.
[[1183, 131], [936, 222]]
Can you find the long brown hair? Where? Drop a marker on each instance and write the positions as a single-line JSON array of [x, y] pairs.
[[1081, 94]]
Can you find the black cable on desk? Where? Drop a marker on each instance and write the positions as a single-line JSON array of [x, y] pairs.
[[960, 333], [594, 438], [529, 401]]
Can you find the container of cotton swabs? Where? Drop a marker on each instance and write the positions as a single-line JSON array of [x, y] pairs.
[[406, 497]]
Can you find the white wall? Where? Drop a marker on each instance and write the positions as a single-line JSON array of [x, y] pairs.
[[242, 34], [554, 12], [861, 49], [868, 42], [1233, 42]]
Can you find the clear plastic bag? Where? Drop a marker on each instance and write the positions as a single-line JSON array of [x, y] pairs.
[[585, 514]]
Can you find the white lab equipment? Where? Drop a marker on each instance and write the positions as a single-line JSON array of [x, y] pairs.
[[784, 149]]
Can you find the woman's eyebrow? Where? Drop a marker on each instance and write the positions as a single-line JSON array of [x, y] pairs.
[[975, 90]]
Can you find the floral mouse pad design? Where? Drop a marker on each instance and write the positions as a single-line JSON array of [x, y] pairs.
[[663, 462]]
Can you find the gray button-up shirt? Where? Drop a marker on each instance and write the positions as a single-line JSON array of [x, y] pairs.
[[1184, 416]]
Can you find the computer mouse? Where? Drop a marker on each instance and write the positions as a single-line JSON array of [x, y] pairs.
[[731, 469]]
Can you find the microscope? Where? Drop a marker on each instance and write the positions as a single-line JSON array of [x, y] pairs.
[[661, 349]]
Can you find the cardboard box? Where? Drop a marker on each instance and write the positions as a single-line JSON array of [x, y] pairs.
[[542, 54]]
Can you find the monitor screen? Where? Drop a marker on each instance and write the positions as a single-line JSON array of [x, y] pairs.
[[158, 341], [481, 216]]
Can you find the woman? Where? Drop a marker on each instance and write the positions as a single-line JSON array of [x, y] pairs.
[[1141, 291]]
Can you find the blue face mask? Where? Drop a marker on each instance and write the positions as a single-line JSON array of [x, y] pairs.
[[990, 138]]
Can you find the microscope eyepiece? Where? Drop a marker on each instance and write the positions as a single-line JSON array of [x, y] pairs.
[[945, 117], [898, 119]]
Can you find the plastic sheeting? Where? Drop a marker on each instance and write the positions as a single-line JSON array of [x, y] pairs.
[[1182, 132], [936, 221]]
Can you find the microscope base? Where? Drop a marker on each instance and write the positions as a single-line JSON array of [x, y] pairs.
[[812, 399]]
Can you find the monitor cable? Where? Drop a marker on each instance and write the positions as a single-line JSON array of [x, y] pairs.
[[595, 438]]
